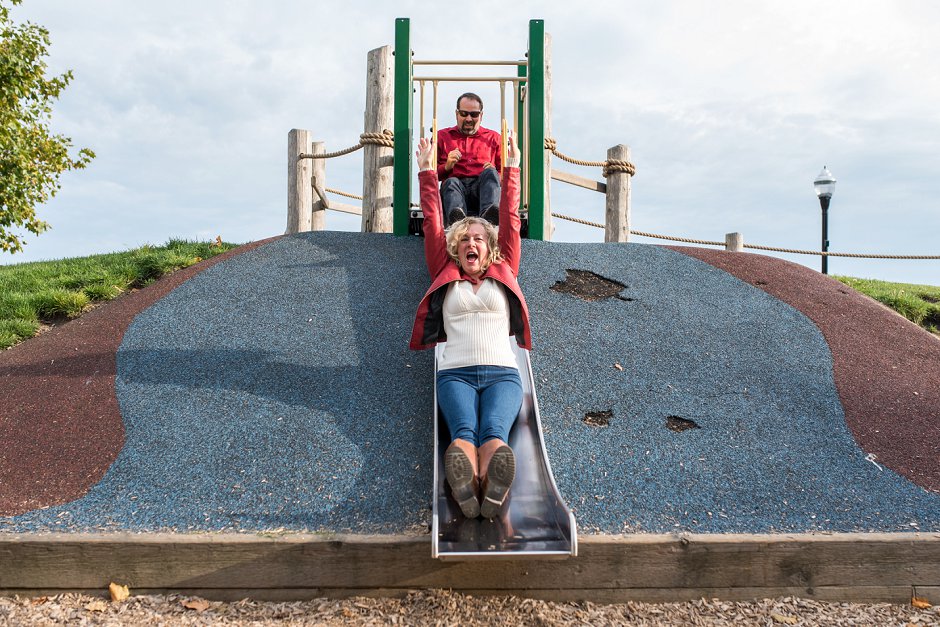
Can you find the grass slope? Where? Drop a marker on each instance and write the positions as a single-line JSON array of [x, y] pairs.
[[918, 303], [44, 292]]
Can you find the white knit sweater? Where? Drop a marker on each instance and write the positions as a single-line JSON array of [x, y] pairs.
[[477, 326]]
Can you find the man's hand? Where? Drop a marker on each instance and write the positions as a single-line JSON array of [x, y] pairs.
[[452, 158], [423, 154]]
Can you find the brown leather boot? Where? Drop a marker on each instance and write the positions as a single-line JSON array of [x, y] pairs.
[[461, 477], [500, 473]]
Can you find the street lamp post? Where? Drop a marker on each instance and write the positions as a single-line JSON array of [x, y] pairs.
[[824, 185]]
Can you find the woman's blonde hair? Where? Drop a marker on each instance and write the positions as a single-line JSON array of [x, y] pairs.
[[458, 229]]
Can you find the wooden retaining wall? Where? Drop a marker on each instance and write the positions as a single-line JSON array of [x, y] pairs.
[[844, 567]]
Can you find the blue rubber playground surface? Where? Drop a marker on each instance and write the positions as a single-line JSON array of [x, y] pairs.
[[276, 391]]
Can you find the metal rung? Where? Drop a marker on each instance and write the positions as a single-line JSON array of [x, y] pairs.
[[520, 63]]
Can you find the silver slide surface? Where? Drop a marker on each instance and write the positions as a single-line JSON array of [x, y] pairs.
[[534, 524]]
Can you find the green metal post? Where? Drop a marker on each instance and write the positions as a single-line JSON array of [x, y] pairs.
[[535, 96], [404, 107]]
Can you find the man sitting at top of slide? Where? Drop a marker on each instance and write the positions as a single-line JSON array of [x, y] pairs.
[[468, 163]]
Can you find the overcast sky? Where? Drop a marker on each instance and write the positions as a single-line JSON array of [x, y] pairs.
[[730, 110]]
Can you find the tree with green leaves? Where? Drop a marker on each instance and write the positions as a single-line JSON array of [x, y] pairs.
[[32, 157]]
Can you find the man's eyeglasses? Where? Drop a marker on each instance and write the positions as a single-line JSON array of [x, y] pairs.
[[469, 114]]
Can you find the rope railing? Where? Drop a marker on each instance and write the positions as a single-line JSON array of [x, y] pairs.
[[829, 254], [339, 192], [387, 139], [795, 251], [640, 233]]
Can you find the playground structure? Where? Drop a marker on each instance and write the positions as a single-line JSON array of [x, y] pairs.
[[530, 114], [387, 207]]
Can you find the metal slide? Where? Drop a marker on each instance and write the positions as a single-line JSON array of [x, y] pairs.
[[534, 524]]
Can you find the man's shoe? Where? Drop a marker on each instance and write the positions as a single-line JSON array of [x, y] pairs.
[[499, 477], [491, 215], [455, 215]]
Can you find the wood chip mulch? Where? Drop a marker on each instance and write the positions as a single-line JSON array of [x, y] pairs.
[[441, 607]]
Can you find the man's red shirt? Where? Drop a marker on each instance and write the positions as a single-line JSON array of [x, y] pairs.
[[475, 151]]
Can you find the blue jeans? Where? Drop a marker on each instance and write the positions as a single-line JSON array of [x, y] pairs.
[[473, 194], [479, 403]]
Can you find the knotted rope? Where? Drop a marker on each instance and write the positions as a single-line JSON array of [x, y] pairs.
[[385, 138], [609, 165]]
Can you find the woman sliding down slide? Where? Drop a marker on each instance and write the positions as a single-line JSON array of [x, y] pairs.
[[474, 304]]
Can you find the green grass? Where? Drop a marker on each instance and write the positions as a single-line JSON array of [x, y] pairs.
[[47, 291], [918, 303]]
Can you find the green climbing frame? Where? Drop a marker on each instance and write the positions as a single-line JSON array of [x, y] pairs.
[[532, 117]]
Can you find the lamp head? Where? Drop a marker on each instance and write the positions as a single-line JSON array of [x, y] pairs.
[[825, 183]]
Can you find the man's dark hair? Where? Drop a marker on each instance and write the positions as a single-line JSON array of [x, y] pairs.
[[471, 96]]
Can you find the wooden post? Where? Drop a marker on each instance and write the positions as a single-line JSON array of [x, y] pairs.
[[299, 191], [377, 161], [734, 242], [617, 222], [318, 177]]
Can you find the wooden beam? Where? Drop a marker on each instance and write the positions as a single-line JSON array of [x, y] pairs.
[[580, 181], [340, 206], [849, 567]]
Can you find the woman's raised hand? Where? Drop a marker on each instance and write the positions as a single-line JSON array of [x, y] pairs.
[[513, 146], [423, 154]]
